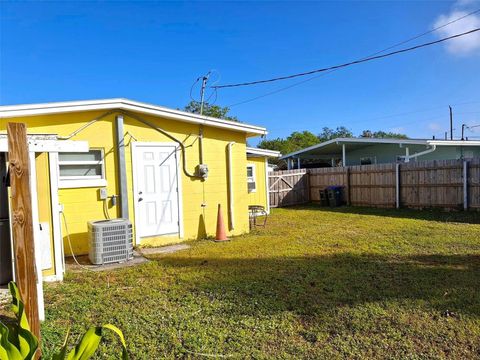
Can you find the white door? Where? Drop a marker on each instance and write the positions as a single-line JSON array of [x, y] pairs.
[[157, 190]]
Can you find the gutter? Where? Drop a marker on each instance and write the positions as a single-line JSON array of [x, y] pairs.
[[421, 153]]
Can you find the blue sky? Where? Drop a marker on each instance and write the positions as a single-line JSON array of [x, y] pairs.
[[153, 52]]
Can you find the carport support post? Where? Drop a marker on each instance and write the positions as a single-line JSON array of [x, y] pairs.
[[465, 185], [122, 171], [298, 163], [22, 224], [344, 155]]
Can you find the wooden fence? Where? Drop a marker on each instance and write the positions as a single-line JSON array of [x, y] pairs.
[[289, 187], [448, 184]]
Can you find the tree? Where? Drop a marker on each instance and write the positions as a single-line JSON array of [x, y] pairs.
[[329, 134], [275, 144], [382, 135], [210, 110], [295, 141], [300, 140]]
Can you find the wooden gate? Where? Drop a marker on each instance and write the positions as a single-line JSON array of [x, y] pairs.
[[288, 187]]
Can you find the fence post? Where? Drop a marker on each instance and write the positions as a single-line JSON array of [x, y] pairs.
[[347, 184], [397, 185], [22, 223], [465, 185], [307, 186]]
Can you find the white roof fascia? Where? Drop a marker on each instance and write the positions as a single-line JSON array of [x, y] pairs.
[[263, 152], [11, 111], [454, 142]]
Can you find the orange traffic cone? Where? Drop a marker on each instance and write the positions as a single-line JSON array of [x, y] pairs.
[[221, 233]]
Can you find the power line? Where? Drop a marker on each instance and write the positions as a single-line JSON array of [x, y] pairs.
[[372, 54], [412, 112], [348, 63]]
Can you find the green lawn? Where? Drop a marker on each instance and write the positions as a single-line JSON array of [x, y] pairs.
[[316, 283]]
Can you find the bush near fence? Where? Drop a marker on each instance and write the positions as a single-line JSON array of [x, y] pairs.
[[446, 184]]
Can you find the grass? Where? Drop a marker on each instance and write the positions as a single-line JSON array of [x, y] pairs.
[[316, 283]]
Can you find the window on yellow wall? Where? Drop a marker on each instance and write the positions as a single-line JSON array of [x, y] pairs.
[[251, 178], [81, 169]]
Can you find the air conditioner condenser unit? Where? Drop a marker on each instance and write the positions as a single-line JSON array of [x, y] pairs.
[[110, 241]]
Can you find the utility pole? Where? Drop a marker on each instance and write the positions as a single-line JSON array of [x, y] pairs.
[[446, 135], [202, 91], [202, 101], [463, 131], [451, 123]]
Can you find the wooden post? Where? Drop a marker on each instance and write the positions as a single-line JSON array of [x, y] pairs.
[[347, 184], [308, 191], [22, 223], [465, 185], [397, 185]]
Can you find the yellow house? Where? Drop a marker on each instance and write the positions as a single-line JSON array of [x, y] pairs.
[[257, 176], [165, 170]]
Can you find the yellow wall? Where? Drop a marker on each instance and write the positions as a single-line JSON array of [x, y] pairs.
[[258, 197], [82, 205]]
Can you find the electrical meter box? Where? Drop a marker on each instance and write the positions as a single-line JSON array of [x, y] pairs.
[[202, 170]]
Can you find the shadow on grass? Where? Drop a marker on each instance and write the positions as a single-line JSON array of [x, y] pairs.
[[311, 285], [470, 217]]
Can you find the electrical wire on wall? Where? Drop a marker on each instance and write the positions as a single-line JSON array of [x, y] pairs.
[[69, 241]]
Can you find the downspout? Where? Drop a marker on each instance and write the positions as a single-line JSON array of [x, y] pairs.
[[432, 149], [121, 165], [230, 186]]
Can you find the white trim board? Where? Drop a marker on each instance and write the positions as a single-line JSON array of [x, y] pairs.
[[36, 234], [12, 111], [56, 226], [48, 145], [263, 152]]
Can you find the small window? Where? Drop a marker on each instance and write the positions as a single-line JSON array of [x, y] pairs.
[[251, 180], [468, 154], [81, 169], [368, 160]]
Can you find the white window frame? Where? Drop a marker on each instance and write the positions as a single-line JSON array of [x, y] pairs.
[[70, 182], [253, 178]]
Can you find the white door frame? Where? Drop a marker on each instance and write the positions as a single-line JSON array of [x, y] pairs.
[[36, 234], [134, 152], [56, 226]]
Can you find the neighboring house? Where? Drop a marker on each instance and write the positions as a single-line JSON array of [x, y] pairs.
[[257, 175], [365, 151], [166, 170]]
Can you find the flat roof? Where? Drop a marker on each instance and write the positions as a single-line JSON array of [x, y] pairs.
[[331, 146], [263, 152], [12, 111]]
